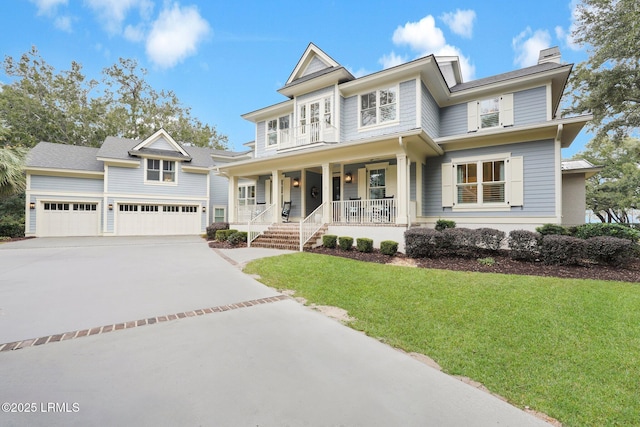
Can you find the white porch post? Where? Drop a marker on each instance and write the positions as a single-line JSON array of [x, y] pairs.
[[403, 189], [326, 191], [275, 195], [232, 198], [418, 188], [303, 193]]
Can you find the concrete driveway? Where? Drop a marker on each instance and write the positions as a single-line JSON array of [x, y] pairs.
[[254, 358]]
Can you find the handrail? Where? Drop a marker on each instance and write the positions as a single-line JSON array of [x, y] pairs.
[[264, 217], [368, 211], [309, 226]]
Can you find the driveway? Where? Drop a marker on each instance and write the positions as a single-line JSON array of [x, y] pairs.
[[241, 354]]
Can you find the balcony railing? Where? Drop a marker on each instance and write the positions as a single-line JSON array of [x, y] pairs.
[[373, 211], [307, 134]]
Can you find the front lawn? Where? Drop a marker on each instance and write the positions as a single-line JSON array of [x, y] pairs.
[[569, 348]]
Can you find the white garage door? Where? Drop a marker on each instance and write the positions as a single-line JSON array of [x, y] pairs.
[[68, 219], [154, 220]]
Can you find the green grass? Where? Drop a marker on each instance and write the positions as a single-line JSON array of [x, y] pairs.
[[566, 347]]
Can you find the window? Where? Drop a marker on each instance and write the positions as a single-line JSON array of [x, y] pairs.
[[475, 188], [56, 206], [494, 182], [190, 209], [246, 195], [219, 215], [490, 113], [327, 111], [277, 130], [85, 206], [148, 208], [168, 168], [128, 208], [170, 208], [377, 183], [378, 107]]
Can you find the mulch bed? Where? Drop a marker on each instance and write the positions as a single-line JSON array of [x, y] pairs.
[[503, 264]]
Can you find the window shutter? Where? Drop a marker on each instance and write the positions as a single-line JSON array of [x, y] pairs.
[[506, 110], [362, 183], [391, 181], [472, 116], [517, 181], [447, 185], [267, 191], [286, 189]]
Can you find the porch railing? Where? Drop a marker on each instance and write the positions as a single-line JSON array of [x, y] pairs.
[[311, 224], [259, 223], [307, 134], [245, 213], [373, 211]]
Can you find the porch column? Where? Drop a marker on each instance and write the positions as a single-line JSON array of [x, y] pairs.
[[419, 184], [275, 195], [232, 198], [303, 194], [326, 191], [403, 189]]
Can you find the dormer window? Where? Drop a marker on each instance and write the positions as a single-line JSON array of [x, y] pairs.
[[161, 170], [378, 107]]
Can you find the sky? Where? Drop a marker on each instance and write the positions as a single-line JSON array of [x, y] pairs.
[[227, 58]]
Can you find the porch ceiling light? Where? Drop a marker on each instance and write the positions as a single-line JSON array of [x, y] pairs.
[[348, 177], [296, 182]]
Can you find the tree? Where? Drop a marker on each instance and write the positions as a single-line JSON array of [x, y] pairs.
[[66, 107], [608, 83], [12, 159], [614, 191]]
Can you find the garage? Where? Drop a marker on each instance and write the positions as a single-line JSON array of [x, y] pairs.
[[68, 219], [134, 219]]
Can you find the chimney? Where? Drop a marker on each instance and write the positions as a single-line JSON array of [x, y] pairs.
[[551, 54]]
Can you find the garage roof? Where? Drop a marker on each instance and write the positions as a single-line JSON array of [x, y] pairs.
[[63, 156]]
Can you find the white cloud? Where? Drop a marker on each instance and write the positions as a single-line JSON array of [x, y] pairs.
[[63, 23], [134, 33], [357, 73], [112, 13], [47, 7], [565, 36], [391, 60], [175, 35], [425, 38], [527, 46], [460, 22]]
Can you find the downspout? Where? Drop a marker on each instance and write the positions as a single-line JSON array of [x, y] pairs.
[[408, 180], [558, 171]]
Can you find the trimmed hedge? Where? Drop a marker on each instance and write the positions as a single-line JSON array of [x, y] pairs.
[[237, 238], [11, 227], [459, 242], [547, 229], [388, 247], [490, 239], [329, 241], [586, 231], [562, 250], [214, 227], [443, 224], [345, 243], [364, 245], [610, 250], [524, 245], [223, 235], [420, 242]]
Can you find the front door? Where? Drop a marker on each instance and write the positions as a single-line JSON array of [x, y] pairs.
[[336, 188]]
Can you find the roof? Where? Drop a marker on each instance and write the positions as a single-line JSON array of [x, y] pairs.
[[63, 156], [523, 72], [579, 166]]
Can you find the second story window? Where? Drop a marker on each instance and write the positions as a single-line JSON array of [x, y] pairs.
[[276, 130], [155, 166], [489, 113], [378, 107]]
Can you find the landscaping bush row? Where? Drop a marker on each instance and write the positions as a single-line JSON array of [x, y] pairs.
[[220, 231], [11, 227], [587, 231], [551, 248], [363, 244]]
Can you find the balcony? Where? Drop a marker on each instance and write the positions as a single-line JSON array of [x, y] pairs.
[[312, 133]]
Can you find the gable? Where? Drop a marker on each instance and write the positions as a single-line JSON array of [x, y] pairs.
[[160, 141], [161, 144], [312, 61]]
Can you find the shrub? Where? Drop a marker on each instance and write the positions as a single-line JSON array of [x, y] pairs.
[[214, 227], [364, 245], [237, 238], [586, 231], [223, 235], [458, 241], [11, 227], [329, 241], [345, 243], [420, 242], [523, 245], [547, 229], [562, 250], [388, 247], [610, 250], [443, 224], [490, 239], [486, 261]]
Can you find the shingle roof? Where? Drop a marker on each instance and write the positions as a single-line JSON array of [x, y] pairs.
[[523, 72], [62, 156], [117, 148]]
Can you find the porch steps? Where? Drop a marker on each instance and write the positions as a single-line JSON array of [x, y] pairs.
[[285, 236]]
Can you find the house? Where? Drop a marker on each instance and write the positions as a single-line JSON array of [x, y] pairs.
[[154, 186], [371, 156]]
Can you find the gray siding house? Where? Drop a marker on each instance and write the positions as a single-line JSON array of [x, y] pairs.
[[371, 156], [154, 186]]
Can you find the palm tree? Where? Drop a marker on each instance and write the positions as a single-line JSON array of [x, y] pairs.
[[12, 160]]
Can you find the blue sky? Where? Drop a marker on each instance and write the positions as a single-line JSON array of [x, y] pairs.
[[227, 58]]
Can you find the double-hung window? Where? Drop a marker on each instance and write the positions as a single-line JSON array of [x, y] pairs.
[[489, 113], [246, 195], [377, 183], [480, 182], [379, 107], [161, 170], [277, 130]]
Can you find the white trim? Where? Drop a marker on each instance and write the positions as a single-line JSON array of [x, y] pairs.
[[381, 165], [481, 207], [378, 124], [160, 182], [490, 219], [418, 102], [549, 94], [161, 133], [119, 162], [213, 212], [153, 197], [64, 172], [64, 193]]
